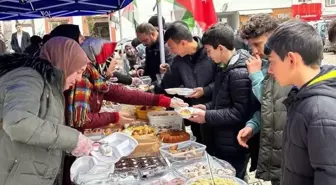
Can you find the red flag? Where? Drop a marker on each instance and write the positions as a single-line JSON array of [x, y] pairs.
[[203, 11]]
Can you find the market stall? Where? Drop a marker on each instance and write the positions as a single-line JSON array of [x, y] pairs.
[[153, 149]]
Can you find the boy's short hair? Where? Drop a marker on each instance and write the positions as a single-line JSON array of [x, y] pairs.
[[219, 34], [178, 32], [257, 25], [332, 31], [298, 37]]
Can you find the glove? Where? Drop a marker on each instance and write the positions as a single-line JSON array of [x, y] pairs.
[[177, 102], [136, 81], [84, 146]]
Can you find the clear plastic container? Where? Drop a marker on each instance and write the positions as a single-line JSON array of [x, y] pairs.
[[168, 179], [130, 177], [233, 180], [165, 120], [183, 151], [200, 167]]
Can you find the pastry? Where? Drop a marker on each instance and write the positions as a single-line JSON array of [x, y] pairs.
[[174, 136], [141, 130]]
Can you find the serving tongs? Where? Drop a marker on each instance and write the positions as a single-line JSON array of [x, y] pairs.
[[210, 168]]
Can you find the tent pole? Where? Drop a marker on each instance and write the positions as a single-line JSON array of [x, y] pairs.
[[162, 51], [121, 37]]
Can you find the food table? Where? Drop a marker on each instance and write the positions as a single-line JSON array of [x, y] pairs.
[[164, 153]]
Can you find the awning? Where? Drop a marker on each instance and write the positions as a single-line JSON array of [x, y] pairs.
[[307, 12], [31, 9], [253, 12]]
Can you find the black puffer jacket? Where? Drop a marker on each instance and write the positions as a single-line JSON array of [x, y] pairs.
[[230, 109], [309, 139], [193, 71]]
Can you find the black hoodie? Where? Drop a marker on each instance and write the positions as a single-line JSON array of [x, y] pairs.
[[309, 140]]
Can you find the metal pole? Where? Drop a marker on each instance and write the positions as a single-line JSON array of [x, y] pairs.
[[121, 37], [159, 12], [162, 51]]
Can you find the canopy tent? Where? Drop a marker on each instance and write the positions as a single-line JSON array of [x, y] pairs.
[[32, 9]]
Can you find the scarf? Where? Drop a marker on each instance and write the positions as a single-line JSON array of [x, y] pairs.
[[79, 96], [99, 52]]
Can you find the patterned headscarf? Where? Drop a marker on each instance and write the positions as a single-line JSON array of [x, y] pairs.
[[100, 53]]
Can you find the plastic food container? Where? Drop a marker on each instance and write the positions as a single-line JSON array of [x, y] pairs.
[[196, 181], [165, 120], [168, 179], [172, 91], [146, 80], [130, 177], [183, 151], [149, 167], [186, 112], [141, 111], [122, 146], [200, 167]]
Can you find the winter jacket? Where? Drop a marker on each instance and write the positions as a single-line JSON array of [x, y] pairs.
[[32, 132], [309, 149], [191, 71], [229, 110], [273, 120], [118, 94]]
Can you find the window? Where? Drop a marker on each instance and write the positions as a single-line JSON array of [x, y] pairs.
[[331, 2], [54, 24]]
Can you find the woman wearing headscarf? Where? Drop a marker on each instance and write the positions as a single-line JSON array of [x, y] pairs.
[[73, 32], [33, 134], [85, 100]]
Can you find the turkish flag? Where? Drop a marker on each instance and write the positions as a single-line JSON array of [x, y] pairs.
[[203, 11]]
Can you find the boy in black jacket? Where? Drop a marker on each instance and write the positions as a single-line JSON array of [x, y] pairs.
[[231, 103]]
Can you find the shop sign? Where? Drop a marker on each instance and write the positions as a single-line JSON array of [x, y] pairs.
[[307, 12]]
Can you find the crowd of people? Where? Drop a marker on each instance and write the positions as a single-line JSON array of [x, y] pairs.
[[262, 95]]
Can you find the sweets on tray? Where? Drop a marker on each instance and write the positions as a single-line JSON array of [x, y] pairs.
[[174, 136], [105, 131], [140, 163], [218, 181], [144, 130]]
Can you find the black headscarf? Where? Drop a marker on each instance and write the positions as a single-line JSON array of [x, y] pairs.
[[66, 30]]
